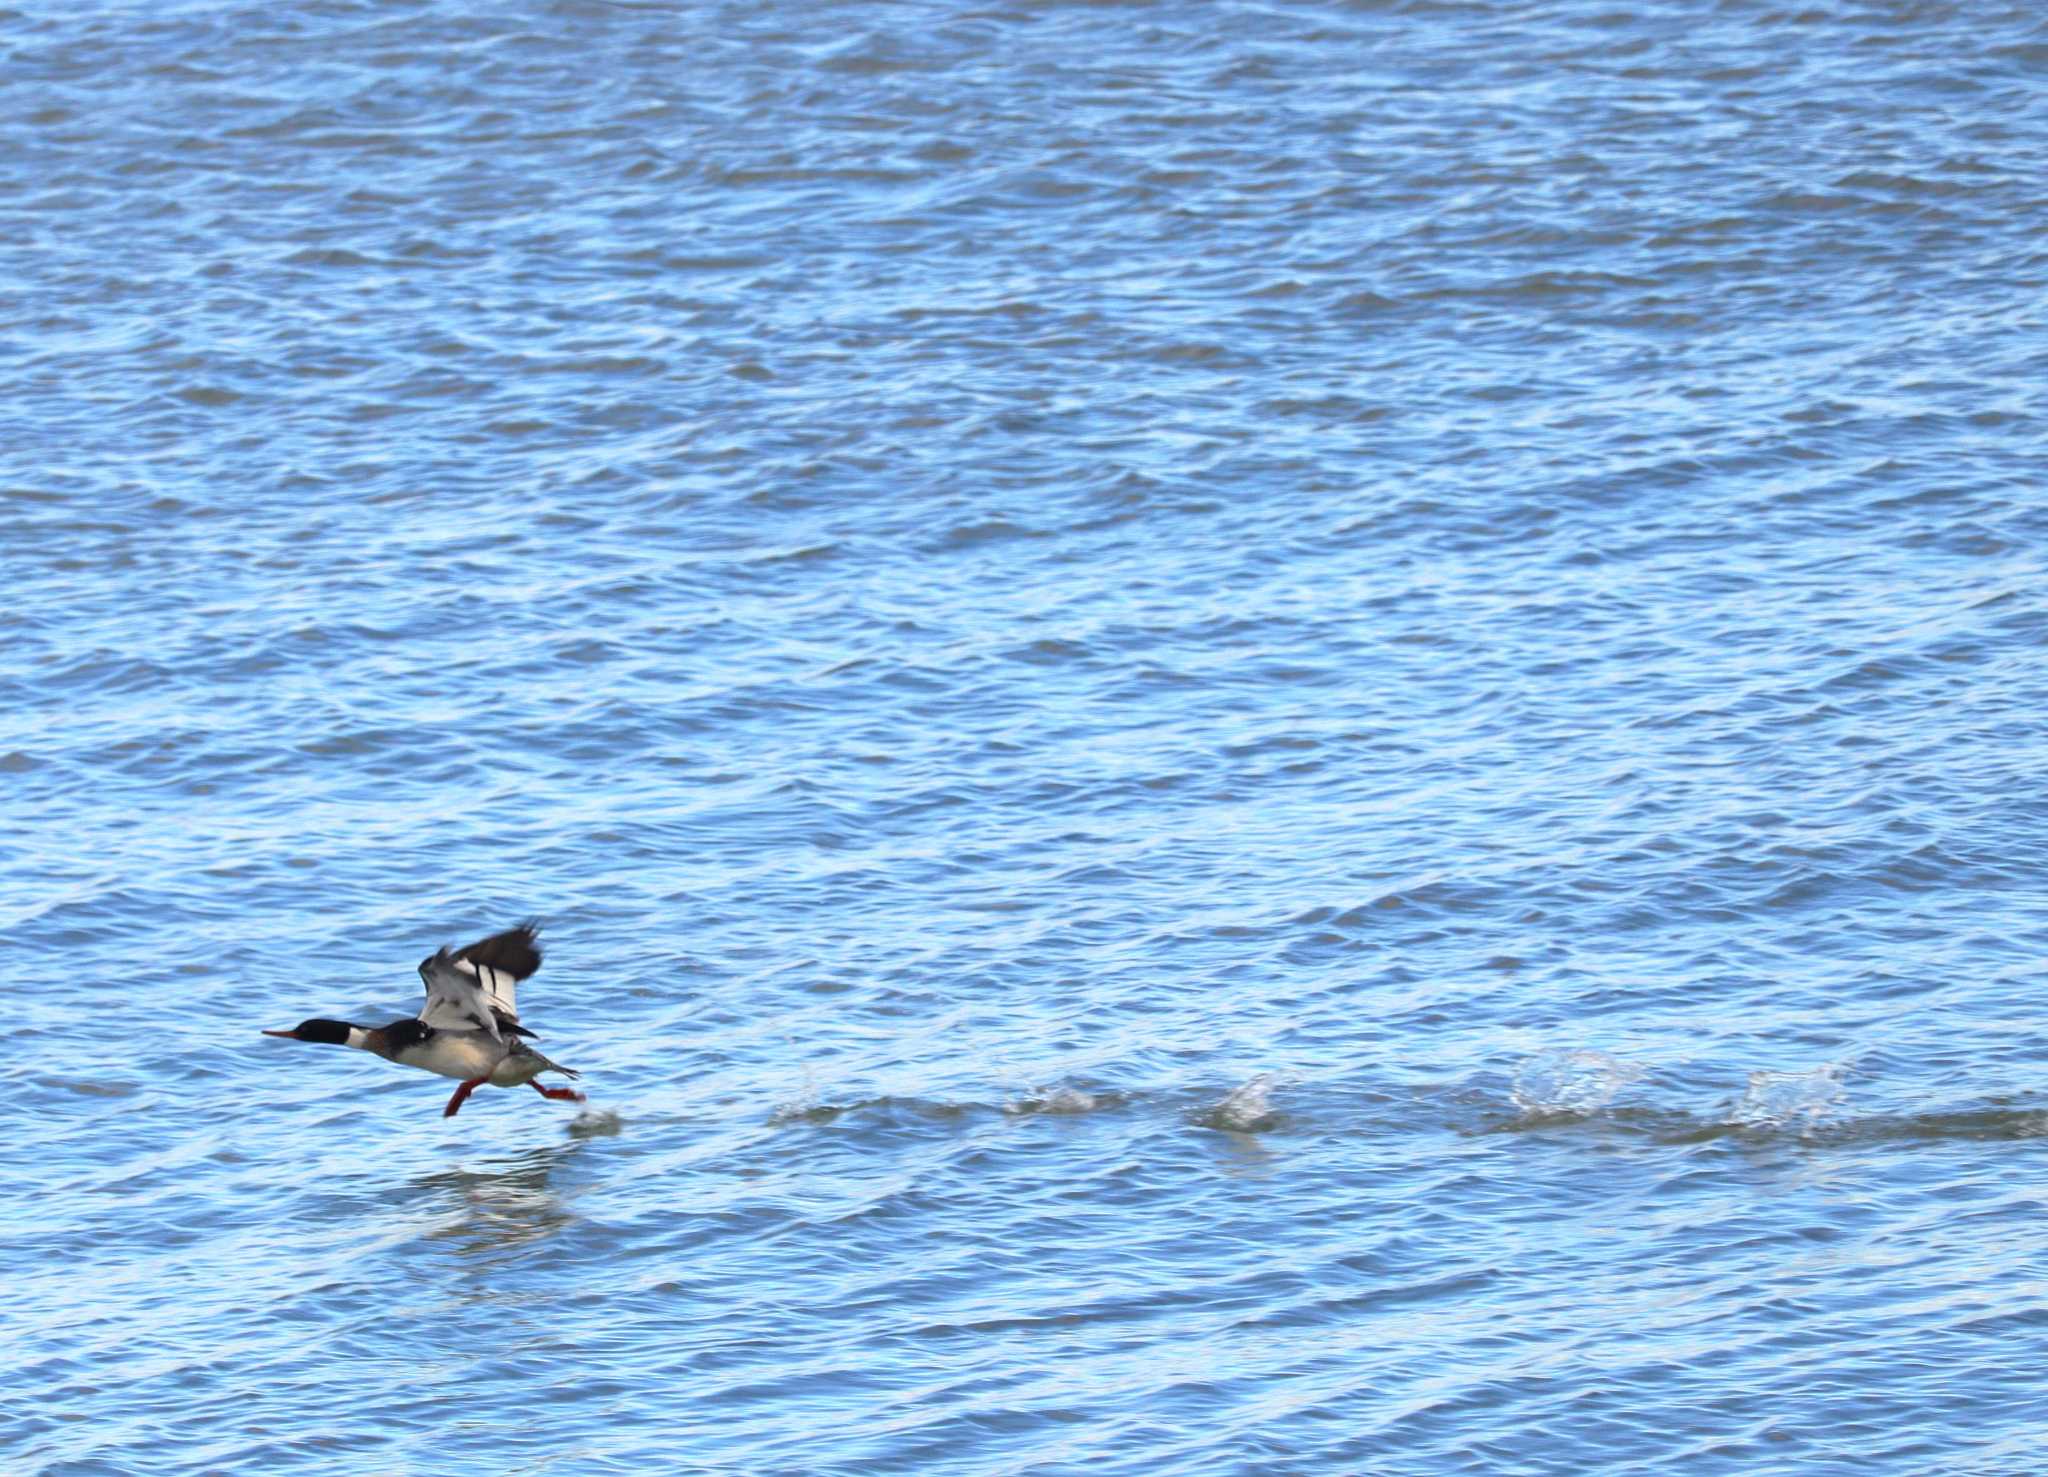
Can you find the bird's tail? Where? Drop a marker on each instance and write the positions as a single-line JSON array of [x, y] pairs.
[[526, 1049]]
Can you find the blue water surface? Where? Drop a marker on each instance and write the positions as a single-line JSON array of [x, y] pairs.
[[1256, 737]]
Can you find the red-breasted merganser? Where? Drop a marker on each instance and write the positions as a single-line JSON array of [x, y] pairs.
[[469, 1027]]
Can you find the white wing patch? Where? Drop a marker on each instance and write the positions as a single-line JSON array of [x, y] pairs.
[[463, 995]]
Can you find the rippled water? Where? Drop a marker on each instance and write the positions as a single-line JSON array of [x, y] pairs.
[[1257, 738]]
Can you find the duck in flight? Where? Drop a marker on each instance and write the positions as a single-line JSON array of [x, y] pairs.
[[469, 1028]]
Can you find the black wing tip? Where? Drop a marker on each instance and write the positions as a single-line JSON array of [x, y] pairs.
[[515, 950]]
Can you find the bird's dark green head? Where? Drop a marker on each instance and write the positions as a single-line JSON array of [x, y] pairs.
[[325, 1032]]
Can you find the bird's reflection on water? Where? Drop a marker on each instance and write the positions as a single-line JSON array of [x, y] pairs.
[[504, 1206]]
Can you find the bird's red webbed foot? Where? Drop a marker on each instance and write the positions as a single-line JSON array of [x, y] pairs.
[[559, 1094], [462, 1096]]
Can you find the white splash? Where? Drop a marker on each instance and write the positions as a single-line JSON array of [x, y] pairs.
[[1246, 1108], [1776, 1099], [1055, 1100], [1571, 1080], [594, 1123]]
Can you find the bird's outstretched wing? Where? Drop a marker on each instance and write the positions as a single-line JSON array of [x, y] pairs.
[[472, 989]]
